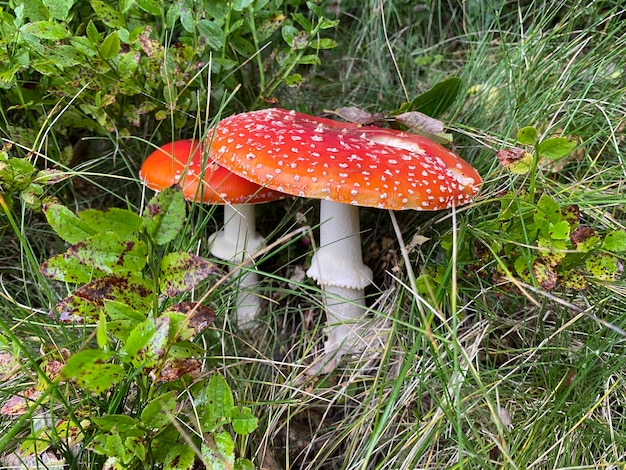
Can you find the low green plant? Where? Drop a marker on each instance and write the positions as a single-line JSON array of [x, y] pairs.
[[151, 404], [127, 64], [536, 238]]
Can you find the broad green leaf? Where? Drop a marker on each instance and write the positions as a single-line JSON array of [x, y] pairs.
[[212, 33], [523, 265], [47, 30], [559, 230], [67, 224], [153, 7], [220, 401], [189, 319], [124, 423], [181, 457], [109, 253], [91, 370], [147, 343], [65, 267], [556, 147], [89, 299], [548, 212], [243, 421], [108, 14], [121, 221], [110, 47], [294, 80], [155, 413], [123, 319], [241, 5], [527, 135], [59, 9], [615, 241], [219, 451], [181, 272], [92, 33], [164, 215], [310, 59], [438, 99], [604, 267], [324, 43], [289, 32]]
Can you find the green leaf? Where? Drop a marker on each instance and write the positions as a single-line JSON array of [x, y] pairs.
[[101, 331], [89, 299], [438, 99], [181, 272], [123, 423], [153, 7], [556, 147], [67, 224], [92, 33], [46, 30], [123, 319], [164, 215], [527, 135], [212, 33], [604, 267], [240, 5], [220, 401], [121, 221], [559, 230], [146, 343], [180, 457], [615, 241], [548, 212], [111, 254], [243, 421], [110, 47], [59, 9], [107, 14], [219, 451], [157, 413], [310, 59], [324, 43], [289, 32], [91, 370]]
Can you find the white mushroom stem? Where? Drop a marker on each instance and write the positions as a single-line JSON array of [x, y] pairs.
[[338, 267], [237, 242]]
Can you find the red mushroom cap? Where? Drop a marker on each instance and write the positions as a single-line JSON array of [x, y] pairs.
[[184, 162], [315, 157]]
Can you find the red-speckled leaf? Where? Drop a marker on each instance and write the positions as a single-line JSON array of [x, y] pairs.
[[164, 215], [604, 267], [189, 319], [110, 253], [575, 280], [181, 272], [147, 343], [545, 276], [584, 239], [92, 371], [67, 268], [86, 302]]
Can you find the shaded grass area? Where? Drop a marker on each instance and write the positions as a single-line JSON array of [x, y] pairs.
[[511, 378]]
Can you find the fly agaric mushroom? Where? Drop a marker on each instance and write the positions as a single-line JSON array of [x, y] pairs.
[[345, 166], [202, 180]]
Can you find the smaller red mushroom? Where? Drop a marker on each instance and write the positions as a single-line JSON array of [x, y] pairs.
[[184, 162]]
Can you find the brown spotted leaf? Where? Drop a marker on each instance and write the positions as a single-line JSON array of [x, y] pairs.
[[574, 279], [545, 276], [87, 301], [584, 239], [190, 316], [515, 160], [181, 272]]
